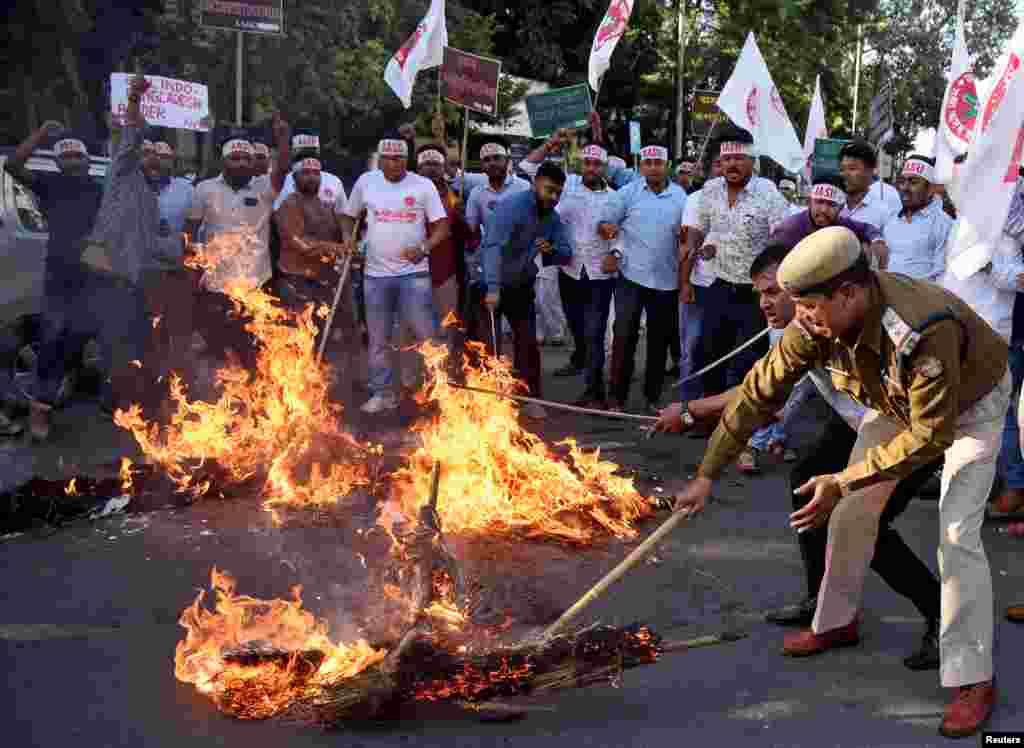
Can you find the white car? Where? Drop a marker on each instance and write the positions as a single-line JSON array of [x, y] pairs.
[[23, 236]]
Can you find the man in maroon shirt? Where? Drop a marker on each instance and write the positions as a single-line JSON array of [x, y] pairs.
[[447, 261], [827, 201]]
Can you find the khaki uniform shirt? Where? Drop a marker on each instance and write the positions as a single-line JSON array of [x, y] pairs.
[[923, 381]]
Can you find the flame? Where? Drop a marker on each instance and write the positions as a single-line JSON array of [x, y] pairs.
[[275, 422], [261, 690], [71, 489], [499, 479], [127, 482], [136, 363]]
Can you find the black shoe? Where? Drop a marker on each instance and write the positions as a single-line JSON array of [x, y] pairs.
[[673, 371], [568, 371], [800, 614], [927, 655]]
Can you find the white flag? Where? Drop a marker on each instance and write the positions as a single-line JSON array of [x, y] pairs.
[[421, 51], [612, 27], [751, 100], [959, 109], [816, 127], [984, 186]]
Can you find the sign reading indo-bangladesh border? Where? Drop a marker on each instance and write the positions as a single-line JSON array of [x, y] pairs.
[[253, 16], [471, 81], [550, 111]]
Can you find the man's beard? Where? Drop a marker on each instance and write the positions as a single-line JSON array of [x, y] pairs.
[[309, 190]]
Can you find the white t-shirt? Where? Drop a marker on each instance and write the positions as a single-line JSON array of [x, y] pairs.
[[397, 214], [332, 192]]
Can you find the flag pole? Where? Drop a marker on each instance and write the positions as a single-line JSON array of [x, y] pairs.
[[465, 148]]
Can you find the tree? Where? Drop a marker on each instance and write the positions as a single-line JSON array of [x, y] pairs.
[[914, 40]]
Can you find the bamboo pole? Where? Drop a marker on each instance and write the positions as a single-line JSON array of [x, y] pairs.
[[558, 406], [617, 573]]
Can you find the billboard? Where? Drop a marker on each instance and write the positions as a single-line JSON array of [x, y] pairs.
[[550, 111], [704, 112], [252, 16]]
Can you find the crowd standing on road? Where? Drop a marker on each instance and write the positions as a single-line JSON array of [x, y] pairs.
[[922, 370]]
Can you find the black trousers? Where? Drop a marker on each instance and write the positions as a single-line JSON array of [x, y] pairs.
[[731, 317], [575, 295], [631, 300], [894, 561]]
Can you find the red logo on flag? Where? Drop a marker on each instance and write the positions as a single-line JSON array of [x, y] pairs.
[[410, 201], [999, 92], [410, 44], [614, 24], [962, 108], [752, 114]]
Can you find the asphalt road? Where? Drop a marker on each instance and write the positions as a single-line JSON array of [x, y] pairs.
[[88, 625]]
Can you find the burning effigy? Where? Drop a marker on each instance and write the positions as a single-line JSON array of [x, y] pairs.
[[274, 429]]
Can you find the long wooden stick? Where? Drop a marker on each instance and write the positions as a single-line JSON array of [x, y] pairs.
[[558, 406], [334, 308], [617, 573]]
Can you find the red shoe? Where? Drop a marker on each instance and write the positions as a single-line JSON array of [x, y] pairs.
[[969, 710], [807, 643]]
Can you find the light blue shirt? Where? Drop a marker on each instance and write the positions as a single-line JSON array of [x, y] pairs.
[[918, 247], [175, 200], [649, 226]]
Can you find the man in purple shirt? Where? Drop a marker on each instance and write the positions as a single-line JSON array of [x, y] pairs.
[[827, 201]]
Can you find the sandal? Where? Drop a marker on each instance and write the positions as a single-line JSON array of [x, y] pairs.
[[747, 462]]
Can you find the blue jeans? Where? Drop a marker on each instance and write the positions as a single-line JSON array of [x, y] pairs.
[[691, 322], [1011, 464], [775, 432], [410, 297], [81, 304], [731, 317]]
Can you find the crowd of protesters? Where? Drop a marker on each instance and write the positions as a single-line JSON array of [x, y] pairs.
[[688, 259]]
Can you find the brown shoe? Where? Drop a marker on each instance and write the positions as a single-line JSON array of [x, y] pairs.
[[969, 710], [807, 643], [1015, 613], [1009, 502]]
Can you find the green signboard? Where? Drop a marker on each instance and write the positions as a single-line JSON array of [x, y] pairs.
[[563, 107], [826, 157]]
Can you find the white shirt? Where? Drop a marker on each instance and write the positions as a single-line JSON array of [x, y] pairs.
[[917, 247], [700, 275], [742, 230], [581, 208], [990, 292], [332, 191], [397, 214], [221, 209], [877, 207]]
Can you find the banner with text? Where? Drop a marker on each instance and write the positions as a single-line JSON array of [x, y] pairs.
[[167, 103], [470, 81], [550, 111], [704, 112], [253, 16]]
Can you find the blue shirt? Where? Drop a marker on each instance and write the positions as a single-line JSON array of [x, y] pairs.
[[649, 226], [509, 248], [175, 200], [917, 246]]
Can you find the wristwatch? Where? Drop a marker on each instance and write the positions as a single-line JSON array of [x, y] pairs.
[[687, 417]]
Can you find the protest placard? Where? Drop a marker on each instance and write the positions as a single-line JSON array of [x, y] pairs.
[[167, 103]]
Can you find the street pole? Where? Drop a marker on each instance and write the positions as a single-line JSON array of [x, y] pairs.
[[856, 76], [239, 61], [465, 149], [680, 55]]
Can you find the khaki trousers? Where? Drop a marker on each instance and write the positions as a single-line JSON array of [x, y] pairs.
[[965, 639]]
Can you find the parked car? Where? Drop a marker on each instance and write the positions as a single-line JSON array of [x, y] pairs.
[[23, 236]]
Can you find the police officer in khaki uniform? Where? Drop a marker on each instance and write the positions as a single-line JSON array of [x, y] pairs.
[[936, 376]]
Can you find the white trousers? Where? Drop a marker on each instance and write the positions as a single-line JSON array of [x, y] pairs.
[[966, 634], [551, 321]]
